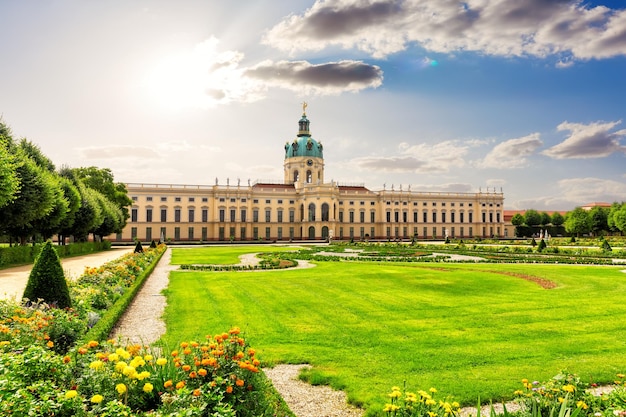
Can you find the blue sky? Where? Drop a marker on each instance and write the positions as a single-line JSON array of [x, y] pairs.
[[527, 96]]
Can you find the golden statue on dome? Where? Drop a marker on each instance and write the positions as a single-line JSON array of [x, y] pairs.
[[304, 106]]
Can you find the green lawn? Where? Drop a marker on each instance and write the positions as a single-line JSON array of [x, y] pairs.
[[220, 255], [470, 330]]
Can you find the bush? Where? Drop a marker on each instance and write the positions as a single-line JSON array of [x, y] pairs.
[[138, 247], [47, 281]]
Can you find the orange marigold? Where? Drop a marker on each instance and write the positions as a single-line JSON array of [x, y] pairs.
[[239, 382], [168, 383], [180, 385], [197, 392], [229, 389]]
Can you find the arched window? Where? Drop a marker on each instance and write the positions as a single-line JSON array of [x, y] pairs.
[[325, 210], [296, 174], [311, 212], [309, 177]]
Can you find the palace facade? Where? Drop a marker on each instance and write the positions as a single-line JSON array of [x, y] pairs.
[[303, 206]]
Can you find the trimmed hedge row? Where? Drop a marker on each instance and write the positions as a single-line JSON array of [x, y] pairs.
[[23, 255]]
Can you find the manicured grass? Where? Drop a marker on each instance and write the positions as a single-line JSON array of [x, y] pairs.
[[220, 255], [469, 330]]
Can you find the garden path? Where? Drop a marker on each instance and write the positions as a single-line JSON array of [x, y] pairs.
[[13, 280]]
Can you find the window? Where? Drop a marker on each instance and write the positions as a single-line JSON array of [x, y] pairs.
[[177, 199], [388, 217], [405, 216], [133, 215], [222, 199], [163, 215], [134, 198], [280, 201], [148, 198], [471, 220], [268, 201], [149, 215], [484, 217], [452, 217], [177, 215], [351, 216], [325, 212], [255, 216], [311, 212], [372, 216], [396, 217], [243, 215], [205, 233], [163, 199], [267, 233], [292, 215], [461, 215], [242, 235], [362, 217], [268, 215], [222, 215], [255, 201], [133, 233], [425, 217], [255, 233], [498, 217], [192, 199], [415, 217], [205, 215], [243, 200], [232, 200], [280, 217], [192, 214], [190, 233], [280, 233], [205, 199], [177, 233], [233, 215], [341, 216], [163, 234], [435, 217], [443, 217]]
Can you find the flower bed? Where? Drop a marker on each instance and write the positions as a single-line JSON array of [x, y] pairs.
[[54, 362]]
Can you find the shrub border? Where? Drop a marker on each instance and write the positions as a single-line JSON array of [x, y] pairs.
[[104, 326]]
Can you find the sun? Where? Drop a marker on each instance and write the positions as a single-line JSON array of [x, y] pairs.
[[201, 77]]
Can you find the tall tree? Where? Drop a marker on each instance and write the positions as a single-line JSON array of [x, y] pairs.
[[619, 218], [578, 222], [9, 181], [532, 218], [599, 220], [557, 219], [544, 219], [36, 199], [102, 180]]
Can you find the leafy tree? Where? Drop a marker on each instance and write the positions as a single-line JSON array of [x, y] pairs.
[[532, 218], [615, 207], [599, 220], [9, 181], [102, 180], [34, 152], [72, 196], [544, 219], [517, 219], [113, 221], [35, 200], [47, 280], [619, 218], [578, 222], [557, 219]]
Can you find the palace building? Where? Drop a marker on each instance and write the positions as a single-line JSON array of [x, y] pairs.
[[303, 206]]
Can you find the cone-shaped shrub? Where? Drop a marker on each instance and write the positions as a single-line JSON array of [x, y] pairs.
[[138, 247], [47, 280], [153, 244]]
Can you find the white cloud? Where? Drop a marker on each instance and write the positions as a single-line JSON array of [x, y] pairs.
[[512, 153], [421, 158], [494, 27], [594, 140], [586, 190]]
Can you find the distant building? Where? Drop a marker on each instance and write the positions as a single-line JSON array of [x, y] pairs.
[[303, 206]]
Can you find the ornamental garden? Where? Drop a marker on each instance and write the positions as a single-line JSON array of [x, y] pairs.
[[403, 329]]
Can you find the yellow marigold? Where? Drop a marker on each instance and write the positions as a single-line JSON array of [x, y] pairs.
[[96, 365], [390, 408], [148, 387], [161, 361], [120, 366], [180, 385], [97, 399], [121, 388], [71, 394], [582, 404], [143, 375], [174, 353], [122, 353], [395, 394], [148, 358], [114, 357], [569, 388], [433, 390], [50, 344]]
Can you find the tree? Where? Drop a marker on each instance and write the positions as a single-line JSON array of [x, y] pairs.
[[35, 200], [47, 281], [9, 181], [578, 222], [610, 221], [599, 220], [102, 180], [532, 218], [517, 219], [557, 219], [544, 219], [619, 218]]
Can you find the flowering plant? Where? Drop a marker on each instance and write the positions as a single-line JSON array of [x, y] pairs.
[[422, 403]]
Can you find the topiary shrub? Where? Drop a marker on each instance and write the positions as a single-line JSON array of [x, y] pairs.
[[153, 244], [605, 246], [138, 247], [542, 245], [47, 280]]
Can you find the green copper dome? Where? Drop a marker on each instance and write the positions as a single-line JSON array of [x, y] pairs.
[[304, 144]]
